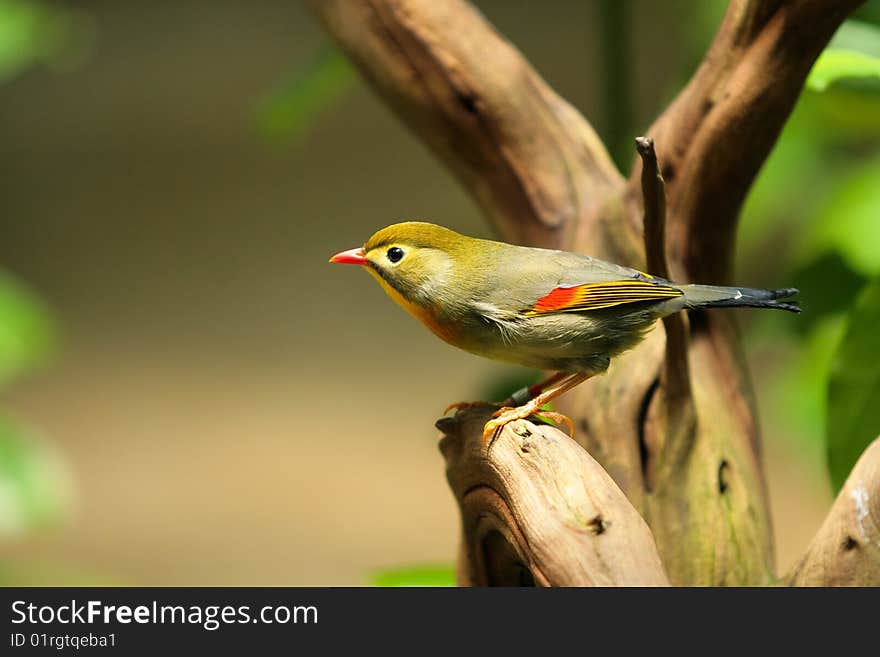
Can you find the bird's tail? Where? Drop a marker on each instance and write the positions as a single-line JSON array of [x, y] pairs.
[[710, 296]]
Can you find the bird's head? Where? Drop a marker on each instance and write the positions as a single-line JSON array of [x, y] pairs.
[[414, 259]]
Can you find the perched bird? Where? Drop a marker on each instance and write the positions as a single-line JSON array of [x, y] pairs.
[[546, 309]]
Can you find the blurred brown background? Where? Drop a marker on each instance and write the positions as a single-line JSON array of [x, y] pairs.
[[232, 409]]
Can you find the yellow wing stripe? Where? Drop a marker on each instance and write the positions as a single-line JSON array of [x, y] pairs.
[[594, 296]]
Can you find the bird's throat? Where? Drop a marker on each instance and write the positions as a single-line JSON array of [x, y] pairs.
[[425, 315]]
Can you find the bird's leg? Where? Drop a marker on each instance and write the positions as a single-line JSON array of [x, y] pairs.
[[533, 407], [523, 395], [519, 397]]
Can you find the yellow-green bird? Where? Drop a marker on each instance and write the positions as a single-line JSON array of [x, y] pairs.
[[545, 309]]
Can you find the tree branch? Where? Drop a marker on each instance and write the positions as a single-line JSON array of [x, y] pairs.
[[538, 509], [846, 550], [529, 158], [715, 136], [654, 203], [707, 505], [677, 417]]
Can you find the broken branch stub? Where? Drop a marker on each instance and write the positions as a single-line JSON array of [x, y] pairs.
[[676, 423]]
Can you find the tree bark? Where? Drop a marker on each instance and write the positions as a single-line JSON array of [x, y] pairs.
[[687, 457], [846, 551], [720, 129], [538, 509]]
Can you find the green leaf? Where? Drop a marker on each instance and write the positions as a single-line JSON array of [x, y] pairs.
[[844, 66], [27, 337], [847, 117], [286, 113], [34, 482], [848, 220], [801, 386], [785, 191], [828, 286], [854, 387], [18, 42], [859, 33], [33, 32], [423, 575], [851, 59], [869, 12]]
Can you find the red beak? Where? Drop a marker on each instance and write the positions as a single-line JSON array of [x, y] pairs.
[[350, 257]]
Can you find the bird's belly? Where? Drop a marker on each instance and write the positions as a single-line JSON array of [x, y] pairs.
[[568, 342]]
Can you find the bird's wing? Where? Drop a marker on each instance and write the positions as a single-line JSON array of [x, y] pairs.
[[568, 298]]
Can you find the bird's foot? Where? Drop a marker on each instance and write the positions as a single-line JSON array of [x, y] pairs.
[[506, 415], [461, 406], [502, 416], [557, 418]]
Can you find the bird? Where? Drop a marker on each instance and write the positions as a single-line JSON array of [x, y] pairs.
[[547, 309]]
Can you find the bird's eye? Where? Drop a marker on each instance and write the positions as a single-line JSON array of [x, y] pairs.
[[394, 254]]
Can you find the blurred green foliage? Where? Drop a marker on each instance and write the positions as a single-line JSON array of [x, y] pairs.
[[38, 573], [869, 12], [34, 483], [287, 112], [34, 480], [828, 286], [422, 575], [847, 220], [38, 32], [500, 388], [27, 338], [854, 387], [852, 58], [839, 66]]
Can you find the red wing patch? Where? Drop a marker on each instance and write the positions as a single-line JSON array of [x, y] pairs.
[[593, 296]]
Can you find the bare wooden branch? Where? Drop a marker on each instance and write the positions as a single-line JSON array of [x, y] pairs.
[[715, 136], [537, 509], [654, 202], [528, 157], [678, 418], [846, 551]]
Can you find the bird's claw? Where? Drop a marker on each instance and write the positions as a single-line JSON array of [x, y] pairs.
[[507, 414], [558, 418], [505, 409], [461, 406], [499, 419]]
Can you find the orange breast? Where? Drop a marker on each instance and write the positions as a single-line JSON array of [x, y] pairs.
[[427, 316]]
